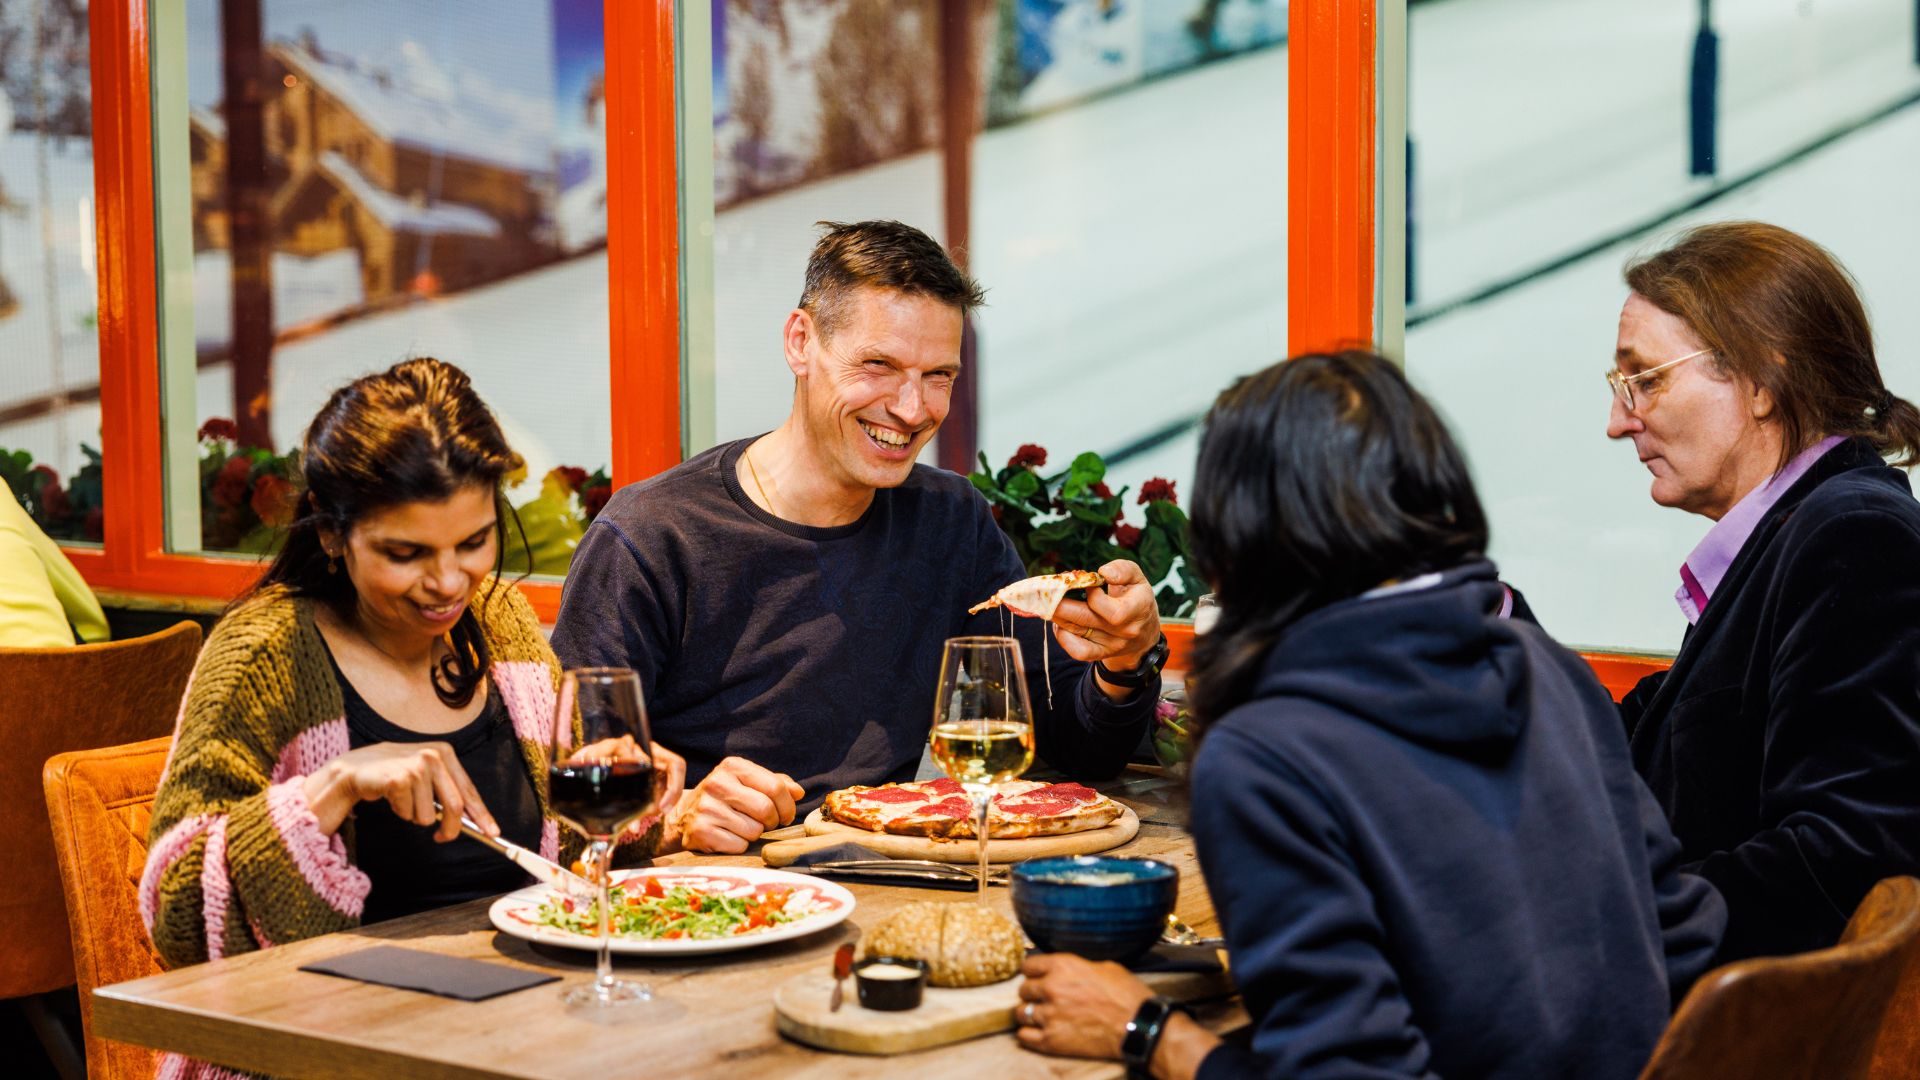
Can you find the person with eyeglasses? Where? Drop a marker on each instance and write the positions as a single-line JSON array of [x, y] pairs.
[[1784, 742]]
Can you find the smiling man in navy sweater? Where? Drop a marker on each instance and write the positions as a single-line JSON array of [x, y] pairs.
[[785, 598]]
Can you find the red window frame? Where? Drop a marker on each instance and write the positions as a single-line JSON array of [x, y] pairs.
[[1330, 263], [643, 273]]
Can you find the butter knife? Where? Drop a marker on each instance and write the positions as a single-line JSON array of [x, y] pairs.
[[549, 873]]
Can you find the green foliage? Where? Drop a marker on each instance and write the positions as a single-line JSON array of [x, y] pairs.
[[554, 521], [64, 512], [1072, 521]]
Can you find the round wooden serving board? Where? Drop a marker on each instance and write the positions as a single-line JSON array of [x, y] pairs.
[[946, 1015], [823, 833]]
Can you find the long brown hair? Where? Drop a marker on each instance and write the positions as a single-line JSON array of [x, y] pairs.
[[416, 432], [1780, 312]]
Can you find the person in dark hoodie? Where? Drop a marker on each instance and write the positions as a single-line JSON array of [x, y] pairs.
[[1417, 819], [1784, 743]]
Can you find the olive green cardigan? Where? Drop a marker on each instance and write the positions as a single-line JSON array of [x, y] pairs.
[[237, 860]]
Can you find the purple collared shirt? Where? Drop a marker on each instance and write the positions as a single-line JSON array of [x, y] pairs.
[[1707, 565]]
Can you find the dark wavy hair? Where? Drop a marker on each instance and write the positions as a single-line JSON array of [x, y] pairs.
[[416, 432], [1319, 478]]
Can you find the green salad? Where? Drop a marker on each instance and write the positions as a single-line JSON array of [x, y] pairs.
[[643, 908]]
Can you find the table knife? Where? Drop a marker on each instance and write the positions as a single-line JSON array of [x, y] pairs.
[[549, 873]]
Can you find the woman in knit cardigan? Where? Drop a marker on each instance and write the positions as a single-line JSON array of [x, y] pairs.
[[378, 666]]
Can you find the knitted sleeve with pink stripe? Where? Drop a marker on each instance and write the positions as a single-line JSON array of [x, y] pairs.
[[237, 860]]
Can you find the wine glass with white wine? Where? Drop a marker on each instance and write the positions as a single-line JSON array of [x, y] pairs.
[[982, 723]]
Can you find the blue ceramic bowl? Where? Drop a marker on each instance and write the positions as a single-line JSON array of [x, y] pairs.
[[1098, 907]]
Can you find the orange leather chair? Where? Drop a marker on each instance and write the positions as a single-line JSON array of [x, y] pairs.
[[101, 802], [56, 700], [1812, 1016], [1897, 1055]]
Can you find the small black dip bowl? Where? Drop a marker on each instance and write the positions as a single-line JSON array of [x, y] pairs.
[[890, 983]]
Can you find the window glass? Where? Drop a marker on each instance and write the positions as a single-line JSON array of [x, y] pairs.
[[426, 178], [49, 338], [1549, 145], [1120, 190]]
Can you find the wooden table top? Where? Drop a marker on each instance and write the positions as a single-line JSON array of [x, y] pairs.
[[712, 1015]]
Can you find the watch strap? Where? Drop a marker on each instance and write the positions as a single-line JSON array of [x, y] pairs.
[[1146, 669], [1142, 1036]]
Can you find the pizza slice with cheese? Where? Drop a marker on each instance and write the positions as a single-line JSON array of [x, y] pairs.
[[1039, 597]]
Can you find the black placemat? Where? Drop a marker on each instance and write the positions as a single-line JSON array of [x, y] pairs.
[[431, 973]]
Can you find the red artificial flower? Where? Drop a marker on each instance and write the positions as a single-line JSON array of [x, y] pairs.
[[53, 478], [1053, 558], [273, 500], [231, 485], [998, 513], [53, 501], [594, 499], [1101, 490], [1126, 536], [220, 428], [95, 526], [572, 475], [1030, 455], [1157, 490]]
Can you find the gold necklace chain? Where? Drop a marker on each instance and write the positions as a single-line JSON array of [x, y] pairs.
[[757, 482]]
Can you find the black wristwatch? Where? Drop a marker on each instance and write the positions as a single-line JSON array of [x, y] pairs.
[[1143, 1034], [1147, 668]]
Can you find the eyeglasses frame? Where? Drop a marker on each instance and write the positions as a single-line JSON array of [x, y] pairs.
[[1622, 385]]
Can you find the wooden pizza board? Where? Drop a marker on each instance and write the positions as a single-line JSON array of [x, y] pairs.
[[823, 833], [946, 1015]]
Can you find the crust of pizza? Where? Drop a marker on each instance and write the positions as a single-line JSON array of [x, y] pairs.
[[1039, 597]]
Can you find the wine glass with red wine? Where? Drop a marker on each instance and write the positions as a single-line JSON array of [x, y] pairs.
[[601, 782]]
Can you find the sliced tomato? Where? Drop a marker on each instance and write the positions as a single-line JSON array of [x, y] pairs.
[[652, 888]]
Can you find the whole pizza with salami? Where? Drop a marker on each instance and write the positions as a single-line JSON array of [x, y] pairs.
[[941, 808]]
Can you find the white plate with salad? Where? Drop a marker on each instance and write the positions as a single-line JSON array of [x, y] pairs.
[[680, 911]]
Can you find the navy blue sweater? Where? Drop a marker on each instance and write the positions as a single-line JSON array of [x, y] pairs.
[[814, 651], [1432, 857]]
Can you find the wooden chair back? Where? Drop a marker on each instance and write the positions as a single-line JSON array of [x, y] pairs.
[[1812, 1016], [53, 701], [100, 803]]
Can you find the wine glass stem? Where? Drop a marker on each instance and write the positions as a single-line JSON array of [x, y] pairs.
[[980, 801], [603, 873]]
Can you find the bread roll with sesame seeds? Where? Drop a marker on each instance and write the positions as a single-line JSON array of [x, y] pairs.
[[963, 944]]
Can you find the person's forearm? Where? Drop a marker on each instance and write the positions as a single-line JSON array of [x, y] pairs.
[[1183, 1046], [329, 797]]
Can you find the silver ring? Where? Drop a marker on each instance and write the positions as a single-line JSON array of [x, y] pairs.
[[1027, 1011]]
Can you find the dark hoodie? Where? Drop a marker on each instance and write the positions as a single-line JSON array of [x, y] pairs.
[[1431, 854]]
